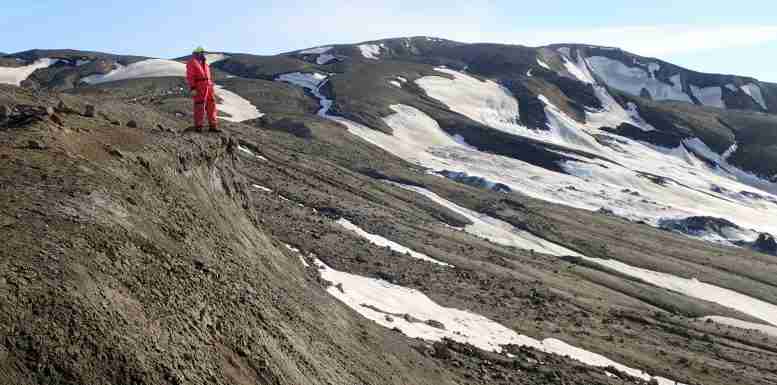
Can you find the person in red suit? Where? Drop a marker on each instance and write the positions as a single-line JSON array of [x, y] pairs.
[[201, 84]]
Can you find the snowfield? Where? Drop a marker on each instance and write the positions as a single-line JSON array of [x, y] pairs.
[[643, 182], [16, 75], [212, 58], [410, 310], [383, 242], [505, 234], [151, 68], [543, 64], [577, 68], [419, 139], [485, 102], [371, 51], [634, 79], [238, 108], [695, 289]]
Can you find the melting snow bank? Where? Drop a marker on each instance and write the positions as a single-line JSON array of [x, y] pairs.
[[247, 151], [494, 229], [313, 83], [383, 242], [503, 233], [417, 316], [485, 102], [16, 75], [371, 51], [697, 289], [238, 108], [625, 187], [262, 188], [635, 79], [150, 68], [770, 330]]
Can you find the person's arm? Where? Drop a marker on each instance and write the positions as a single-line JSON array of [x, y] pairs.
[[190, 75], [190, 78]]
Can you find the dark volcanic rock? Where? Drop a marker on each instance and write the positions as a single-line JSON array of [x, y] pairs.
[[5, 112], [475, 181], [665, 139], [766, 244], [89, 111], [696, 225]]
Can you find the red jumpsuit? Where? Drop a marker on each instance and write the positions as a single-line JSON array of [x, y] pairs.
[[199, 77]]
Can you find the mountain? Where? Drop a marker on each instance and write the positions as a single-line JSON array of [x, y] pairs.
[[402, 211]]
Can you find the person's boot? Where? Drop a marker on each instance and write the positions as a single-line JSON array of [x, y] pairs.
[[194, 129], [214, 128]]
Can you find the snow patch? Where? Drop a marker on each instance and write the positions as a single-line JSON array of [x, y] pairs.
[[578, 69], [754, 91], [309, 81], [543, 64], [383, 242], [412, 312], [313, 83], [247, 151], [634, 79], [371, 51], [262, 188], [483, 101], [16, 75], [238, 108], [696, 289], [325, 59], [212, 58], [150, 68]]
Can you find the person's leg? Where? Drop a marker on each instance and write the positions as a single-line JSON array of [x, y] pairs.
[[212, 110], [199, 113], [200, 101]]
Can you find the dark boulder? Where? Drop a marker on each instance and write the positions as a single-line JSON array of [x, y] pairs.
[[766, 244], [698, 225]]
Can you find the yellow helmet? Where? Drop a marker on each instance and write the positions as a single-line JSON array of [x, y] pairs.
[[199, 50]]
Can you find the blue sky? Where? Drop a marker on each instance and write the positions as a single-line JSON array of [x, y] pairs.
[[710, 36]]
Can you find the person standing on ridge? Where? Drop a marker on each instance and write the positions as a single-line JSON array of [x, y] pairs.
[[201, 85]]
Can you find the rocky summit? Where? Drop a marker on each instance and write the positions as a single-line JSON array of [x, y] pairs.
[[402, 211]]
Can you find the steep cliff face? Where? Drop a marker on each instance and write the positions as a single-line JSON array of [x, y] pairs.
[[131, 255]]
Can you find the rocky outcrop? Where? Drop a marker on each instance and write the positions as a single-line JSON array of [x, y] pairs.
[[475, 181], [766, 244]]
